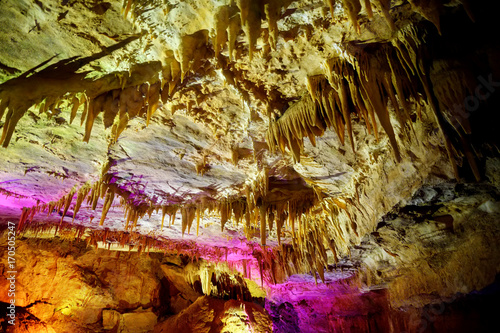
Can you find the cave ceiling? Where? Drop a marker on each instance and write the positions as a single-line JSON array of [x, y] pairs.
[[235, 123]]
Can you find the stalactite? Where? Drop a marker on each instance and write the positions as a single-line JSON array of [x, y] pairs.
[[352, 7], [468, 8], [67, 201], [198, 218], [24, 216], [201, 165], [76, 104], [11, 119], [163, 213], [111, 107], [368, 8], [108, 201], [188, 215], [430, 9], [385, 6], [251, 15], [191, 50], [233, 30], [173, 215], [331, 5], [225, 213], [346, 112], [4, 104], [221, 18], [263, 217], [238, 210], [127, 5], [272, 9], [153, 100], [95, 107]]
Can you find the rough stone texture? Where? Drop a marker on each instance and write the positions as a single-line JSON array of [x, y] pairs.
[[215, 315], [65, 285], [429, 242]]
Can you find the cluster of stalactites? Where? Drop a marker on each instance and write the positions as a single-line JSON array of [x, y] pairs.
[[219, 279], [247, 15], [258, 211], [123, 99], [229, 19], [119, 106], [362, 85], [314, 229], [353, 8], [89, 193], [254, 207], [8, 194], [429, 9], [269, 260], [251, 14]]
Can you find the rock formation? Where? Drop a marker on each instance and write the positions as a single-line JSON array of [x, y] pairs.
[[253, 166]]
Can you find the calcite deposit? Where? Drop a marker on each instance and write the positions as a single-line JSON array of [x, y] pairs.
[[249, 166]]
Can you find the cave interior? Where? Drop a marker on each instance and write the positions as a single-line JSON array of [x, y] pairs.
[[249, 166]]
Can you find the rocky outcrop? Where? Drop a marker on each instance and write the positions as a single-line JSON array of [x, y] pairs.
[[215, 315], [64, 285]]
